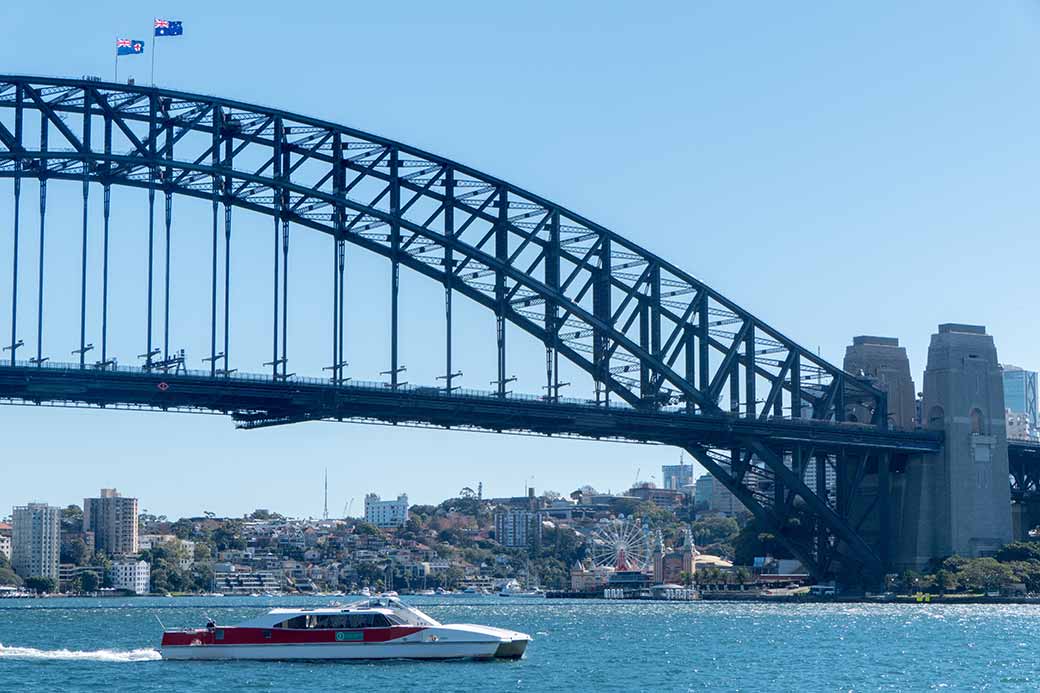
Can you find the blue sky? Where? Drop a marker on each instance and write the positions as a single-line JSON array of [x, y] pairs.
[[838, 170]]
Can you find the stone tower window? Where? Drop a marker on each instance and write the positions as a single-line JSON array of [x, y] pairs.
[[936, 416], [977, 428]]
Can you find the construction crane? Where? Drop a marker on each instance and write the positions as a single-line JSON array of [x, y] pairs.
[[347, 506]]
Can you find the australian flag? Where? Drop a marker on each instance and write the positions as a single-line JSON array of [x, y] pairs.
[[129, 47], [166, 27]]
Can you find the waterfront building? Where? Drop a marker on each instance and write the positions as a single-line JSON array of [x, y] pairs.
[[36, 540], [517, 528], [132, 576], [590, 579], [69, 575], [1020, 401], [230, 579], [669, 499], [113, 520], [386, 513], [669, 566], [676, 477]]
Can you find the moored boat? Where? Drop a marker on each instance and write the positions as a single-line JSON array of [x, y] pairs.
[[512, 588], [377, 628]]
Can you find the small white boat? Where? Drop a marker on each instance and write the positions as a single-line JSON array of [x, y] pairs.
[[513, 589], [376, 628]]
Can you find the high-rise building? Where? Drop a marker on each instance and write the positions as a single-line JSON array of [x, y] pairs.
[[1020, 400], [675, 477], [386, 513], [702, 490], [708, 491], [36, 540], [113, 520], [517, 528]]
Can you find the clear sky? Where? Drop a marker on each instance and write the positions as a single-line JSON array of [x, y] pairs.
[[836, 168]]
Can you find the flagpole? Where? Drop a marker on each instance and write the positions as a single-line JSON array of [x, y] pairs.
[[155, 46]]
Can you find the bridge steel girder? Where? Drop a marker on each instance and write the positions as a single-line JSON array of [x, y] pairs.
[[644, 330]]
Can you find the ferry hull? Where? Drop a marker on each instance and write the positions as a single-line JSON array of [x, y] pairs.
[[506, 649]]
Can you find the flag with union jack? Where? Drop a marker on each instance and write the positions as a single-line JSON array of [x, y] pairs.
[[168, 27], [129, 47]]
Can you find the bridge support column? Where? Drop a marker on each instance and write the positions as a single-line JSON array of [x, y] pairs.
[[876, 502], [968, 481]]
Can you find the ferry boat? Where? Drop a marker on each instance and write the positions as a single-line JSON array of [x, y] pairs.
[[377, 628]]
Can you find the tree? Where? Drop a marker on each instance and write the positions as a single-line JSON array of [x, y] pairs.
[[713, 529], [72, 519], [362, 527], [203, 552], [752, 542], [89, 582], [983, 574], [8, 576], [946, 581], [202, 577], [910, 580], [40, 584], [229, 536], [1019, 551], [183, 528], [75, 552]]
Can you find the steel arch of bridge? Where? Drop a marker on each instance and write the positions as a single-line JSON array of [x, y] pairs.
[[646, 332]]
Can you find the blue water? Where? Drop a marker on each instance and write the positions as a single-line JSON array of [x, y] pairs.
[[103, 644]]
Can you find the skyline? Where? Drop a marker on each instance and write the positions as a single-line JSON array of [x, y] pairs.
[[771, 147]]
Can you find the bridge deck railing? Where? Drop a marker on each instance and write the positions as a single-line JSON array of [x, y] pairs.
[[678, 411]]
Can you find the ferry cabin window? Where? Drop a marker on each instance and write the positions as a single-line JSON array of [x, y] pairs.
[[338, 621], [298, 622]]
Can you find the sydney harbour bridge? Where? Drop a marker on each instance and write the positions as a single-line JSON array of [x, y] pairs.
[[650, 354]]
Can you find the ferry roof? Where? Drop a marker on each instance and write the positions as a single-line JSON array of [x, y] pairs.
[[329, 610]]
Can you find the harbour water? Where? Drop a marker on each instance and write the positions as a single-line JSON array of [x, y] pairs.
[[107, 644]]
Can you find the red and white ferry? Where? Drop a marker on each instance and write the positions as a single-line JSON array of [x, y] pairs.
[[377, 628]]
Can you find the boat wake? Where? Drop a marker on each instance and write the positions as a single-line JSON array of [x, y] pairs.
[[143, 655]]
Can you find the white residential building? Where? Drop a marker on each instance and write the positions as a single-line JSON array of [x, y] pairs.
[[242, 580], [5, 546], [386, 513], [133, 576], [36, 540]]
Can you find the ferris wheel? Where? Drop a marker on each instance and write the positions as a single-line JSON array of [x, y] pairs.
[[622, 545]]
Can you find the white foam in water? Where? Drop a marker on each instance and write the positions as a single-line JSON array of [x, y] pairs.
[[90, 656]]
